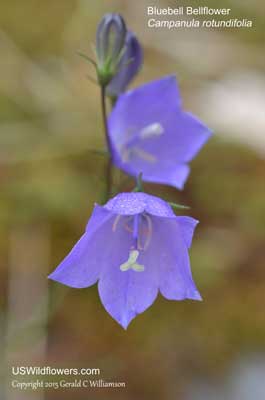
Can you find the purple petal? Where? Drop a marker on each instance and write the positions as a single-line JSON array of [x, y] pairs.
[[161, 155], [166, 263], [187, 226], [142, 106], [183, 138], [166, 172], [126, 204], [126, 294], [129, 66], [98, 217], [175, 278], [135, 203], [82, 265]]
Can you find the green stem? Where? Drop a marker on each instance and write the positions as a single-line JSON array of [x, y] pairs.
[[139, 183], [109, 161]]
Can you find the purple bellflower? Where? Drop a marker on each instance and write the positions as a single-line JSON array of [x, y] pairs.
[[128, 67], [150, 133], [134, 246]]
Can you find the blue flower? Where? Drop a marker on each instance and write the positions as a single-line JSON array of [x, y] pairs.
[[150, 133], [128, 67], [134, 246]]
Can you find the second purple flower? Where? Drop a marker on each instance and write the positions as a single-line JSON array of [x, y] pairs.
[[151, 134]]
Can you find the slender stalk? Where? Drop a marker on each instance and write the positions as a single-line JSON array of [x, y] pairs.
[[139, 183], [104, 115], [109, 162]]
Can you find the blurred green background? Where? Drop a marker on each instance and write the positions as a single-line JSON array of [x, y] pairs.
[[51, 175]]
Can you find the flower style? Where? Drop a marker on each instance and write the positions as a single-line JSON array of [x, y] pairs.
[[128, 67], [134, 246], [150, 133]]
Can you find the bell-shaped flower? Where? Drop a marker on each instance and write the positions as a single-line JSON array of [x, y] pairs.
[[134, 246], [150, 133], [128, 67]]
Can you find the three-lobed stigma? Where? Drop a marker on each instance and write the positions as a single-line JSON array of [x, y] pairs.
[[131, 262], [140, 228]]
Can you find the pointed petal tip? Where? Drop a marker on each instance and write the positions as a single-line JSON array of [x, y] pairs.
[[72, 282], [124, 325], [195, 296], [51, 277], [54, 278], [181, 296], [125, 320]]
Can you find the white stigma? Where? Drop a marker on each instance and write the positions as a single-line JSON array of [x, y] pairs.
[[152, 130], [131, 262]]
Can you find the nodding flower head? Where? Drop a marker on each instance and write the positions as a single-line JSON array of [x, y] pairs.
[[134, 246], [150, 133]]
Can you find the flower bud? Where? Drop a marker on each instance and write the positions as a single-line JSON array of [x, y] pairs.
[[128, 67], [110, 40]]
